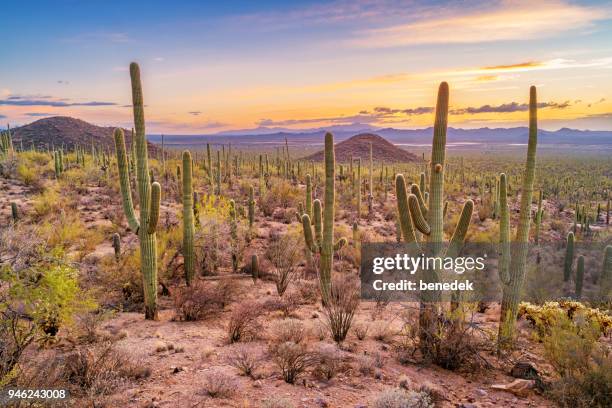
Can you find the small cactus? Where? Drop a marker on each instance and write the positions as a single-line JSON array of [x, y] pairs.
[[117, 246], [579, 276], [188, 225], [569, 257]]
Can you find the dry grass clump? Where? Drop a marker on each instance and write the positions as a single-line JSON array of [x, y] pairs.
[[328, 362], [400, 398], [281, 195], [288, 330], [277, 402], [218, 384]]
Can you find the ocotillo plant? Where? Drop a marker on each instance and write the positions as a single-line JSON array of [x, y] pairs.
[[514, 276], [188, 226], [322, 243], [579, 276], [569, 257], [148, 195], [411, 217]]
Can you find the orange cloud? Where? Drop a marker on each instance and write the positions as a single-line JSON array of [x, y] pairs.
[[529, 64]]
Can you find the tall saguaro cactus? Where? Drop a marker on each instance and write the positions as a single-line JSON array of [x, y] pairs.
[[323, 243], [415, 216], [188, 226], [514, 278], [148, 194]]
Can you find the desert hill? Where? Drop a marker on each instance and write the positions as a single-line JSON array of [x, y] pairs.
[[359, 146], [65, 131]]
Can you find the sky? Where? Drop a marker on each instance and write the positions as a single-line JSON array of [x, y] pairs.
[[209, 67]]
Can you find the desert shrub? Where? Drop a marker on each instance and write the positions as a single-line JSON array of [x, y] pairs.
[[277, 402], [284, 254], [47, 292], [16, 334], [308, 290], [583, 365], [246, 358], [292, 359], [218, 384], [100, 369], [458, 343], [281, 195], [550, 313], [244, 322], [400, 398], [210, 250], [328, 362], [199, 301], [341, 307], [288, 330]]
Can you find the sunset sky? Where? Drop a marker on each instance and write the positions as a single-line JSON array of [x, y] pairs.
[[304, 64]]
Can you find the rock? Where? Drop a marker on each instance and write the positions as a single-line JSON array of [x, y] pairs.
[[176, 370], [257, 384], [525, 370], [481, 392], [322, 403], [519, 387]]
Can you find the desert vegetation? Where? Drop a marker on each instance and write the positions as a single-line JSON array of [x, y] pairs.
[[140, 275]]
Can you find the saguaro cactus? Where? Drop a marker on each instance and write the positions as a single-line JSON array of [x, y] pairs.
[[14, 212], [569, 257], [117, 246], [148, 194], [251, 206], [188, 226], [415, 215], [322, 243], [514, 278]]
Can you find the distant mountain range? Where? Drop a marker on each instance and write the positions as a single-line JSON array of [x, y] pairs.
[[67, 131], [503, 136]]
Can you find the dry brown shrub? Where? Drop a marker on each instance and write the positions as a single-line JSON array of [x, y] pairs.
[[244, 322], [292, 359], [199, 301], [218, 384], [341, 307]]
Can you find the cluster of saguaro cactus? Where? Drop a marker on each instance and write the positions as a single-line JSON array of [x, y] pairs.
[[322, 243], [6, 141], [148, 194], [513, 261], [188, 216], [415, 216]]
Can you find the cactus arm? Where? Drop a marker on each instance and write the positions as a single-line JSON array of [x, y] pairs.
[[504, 231], [154, 207], [417, 217], [310, 243], [404, 210], [124, 180], [340, 243], [414, 189], [458, 238], [318, 225]]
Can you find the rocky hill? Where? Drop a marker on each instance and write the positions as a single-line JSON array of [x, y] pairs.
[[68, 132], [359, 146]]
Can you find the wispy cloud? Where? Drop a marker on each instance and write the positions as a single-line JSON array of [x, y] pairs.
[[505, 20], [195, 113], [37, 114], [48, 101], [507, 108]]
